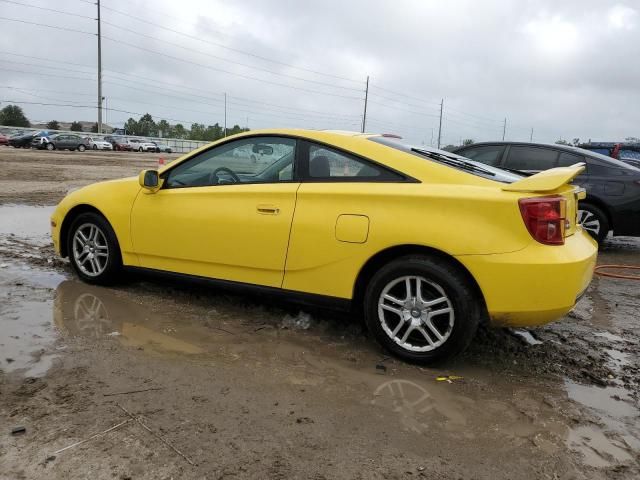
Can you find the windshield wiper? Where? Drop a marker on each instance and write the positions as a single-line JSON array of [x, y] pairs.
[[454, 162]]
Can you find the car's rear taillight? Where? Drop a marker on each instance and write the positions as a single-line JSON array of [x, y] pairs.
[[545, 218]]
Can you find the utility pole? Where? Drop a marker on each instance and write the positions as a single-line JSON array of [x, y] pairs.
[[504, 128], [99, 71], [431, 144], [225, 114], [440, 126], [366, 99], [531, 136]]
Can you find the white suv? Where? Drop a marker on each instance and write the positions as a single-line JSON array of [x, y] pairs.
[[142, 145]]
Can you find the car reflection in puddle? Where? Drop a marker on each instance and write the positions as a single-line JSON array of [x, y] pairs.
[[94, 312]]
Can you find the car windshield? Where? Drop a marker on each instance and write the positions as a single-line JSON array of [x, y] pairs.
[[451, 160]]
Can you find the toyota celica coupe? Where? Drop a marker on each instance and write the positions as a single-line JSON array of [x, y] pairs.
[[426, 244]]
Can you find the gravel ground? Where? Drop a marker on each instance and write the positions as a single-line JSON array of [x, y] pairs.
[[202, 383]]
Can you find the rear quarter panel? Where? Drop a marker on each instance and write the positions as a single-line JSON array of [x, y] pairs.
[[456, 219]]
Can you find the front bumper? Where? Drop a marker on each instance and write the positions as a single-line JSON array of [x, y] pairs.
[[535, 285]]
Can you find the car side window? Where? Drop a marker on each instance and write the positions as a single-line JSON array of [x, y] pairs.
[[327, 163], [487, 154], [246, 160], [567, 159], [531, 158]]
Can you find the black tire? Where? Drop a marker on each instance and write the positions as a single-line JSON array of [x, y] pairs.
[[462, 298], [81, 148], [95, 147], [113, 265], [50, 146], [594, 221], [140, 150]]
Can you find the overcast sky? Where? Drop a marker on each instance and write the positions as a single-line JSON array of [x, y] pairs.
[[564, 68]]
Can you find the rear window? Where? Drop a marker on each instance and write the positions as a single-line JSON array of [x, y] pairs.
[[487, 154], [531, 158], [483, 170]]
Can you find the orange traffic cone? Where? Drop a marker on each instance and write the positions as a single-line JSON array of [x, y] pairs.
[[161, 162]]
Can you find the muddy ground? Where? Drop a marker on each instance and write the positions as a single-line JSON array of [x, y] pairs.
[[203, 383]]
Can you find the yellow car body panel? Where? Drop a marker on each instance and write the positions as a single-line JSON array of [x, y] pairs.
[[316, 237]]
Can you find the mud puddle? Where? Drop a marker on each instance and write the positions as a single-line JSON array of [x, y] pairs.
[[25, 222]]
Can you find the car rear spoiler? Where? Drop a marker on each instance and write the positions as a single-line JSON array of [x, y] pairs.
[[546, 181]]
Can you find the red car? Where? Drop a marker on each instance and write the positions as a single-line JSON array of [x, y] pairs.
[[4, 140], [119, 143]]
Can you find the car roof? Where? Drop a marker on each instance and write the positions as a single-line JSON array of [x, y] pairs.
[[557, 146]]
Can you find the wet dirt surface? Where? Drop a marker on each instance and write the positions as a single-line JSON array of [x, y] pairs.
[[246, 387]]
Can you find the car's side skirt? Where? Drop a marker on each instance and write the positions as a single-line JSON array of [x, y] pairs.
[[292, 296]]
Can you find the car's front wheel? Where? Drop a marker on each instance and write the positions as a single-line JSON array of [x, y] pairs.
[[422, 309], [594, 221], [81, 148], [50, 146], [95, 147], [93, 249]]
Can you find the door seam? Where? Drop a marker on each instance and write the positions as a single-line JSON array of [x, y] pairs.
[[286, 256]]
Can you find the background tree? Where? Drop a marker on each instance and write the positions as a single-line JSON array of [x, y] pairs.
[[576, 141], [131, 126], [13, 116], [179, 131], [468, 141], [53, 125], [197, 131], [632, 140], [164, 129], [146, 126], [561, 142], [94, 128], [76, 127]]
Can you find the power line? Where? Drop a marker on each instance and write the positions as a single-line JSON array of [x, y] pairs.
[[403, 95], [46, 25], [48, 9], [45, 74], [46, 59], [403, 109], [230, 61], [249, 77], [236, 50], [47, 90], [45, 66]]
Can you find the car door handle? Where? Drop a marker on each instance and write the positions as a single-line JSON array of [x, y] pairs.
[[268, 209]]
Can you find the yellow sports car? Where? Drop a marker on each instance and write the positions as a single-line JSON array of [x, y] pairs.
[[425, 243]]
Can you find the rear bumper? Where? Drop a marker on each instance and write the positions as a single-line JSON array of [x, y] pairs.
[[535, 285]]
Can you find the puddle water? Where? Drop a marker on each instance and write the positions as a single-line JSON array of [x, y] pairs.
[[617, 439], [25, 221]]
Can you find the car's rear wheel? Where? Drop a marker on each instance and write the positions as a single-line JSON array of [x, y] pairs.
[[422, 309], [140, 150], [95, 147], [594, 221], [81, 148], [93, 249], [50, 146]]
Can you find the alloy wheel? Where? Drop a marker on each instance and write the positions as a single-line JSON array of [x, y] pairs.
[[589, 221], [90, 249], [416, 313]]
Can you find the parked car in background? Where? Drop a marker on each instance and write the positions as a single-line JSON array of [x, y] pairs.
[[119, 143], [64, 141], [426, 243], [4, 139], [162, 147], [142, 145], [613, 187], [625, 152], [22, 140], [96, 144]]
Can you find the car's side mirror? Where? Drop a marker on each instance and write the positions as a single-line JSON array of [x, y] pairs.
[[150, 180]]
